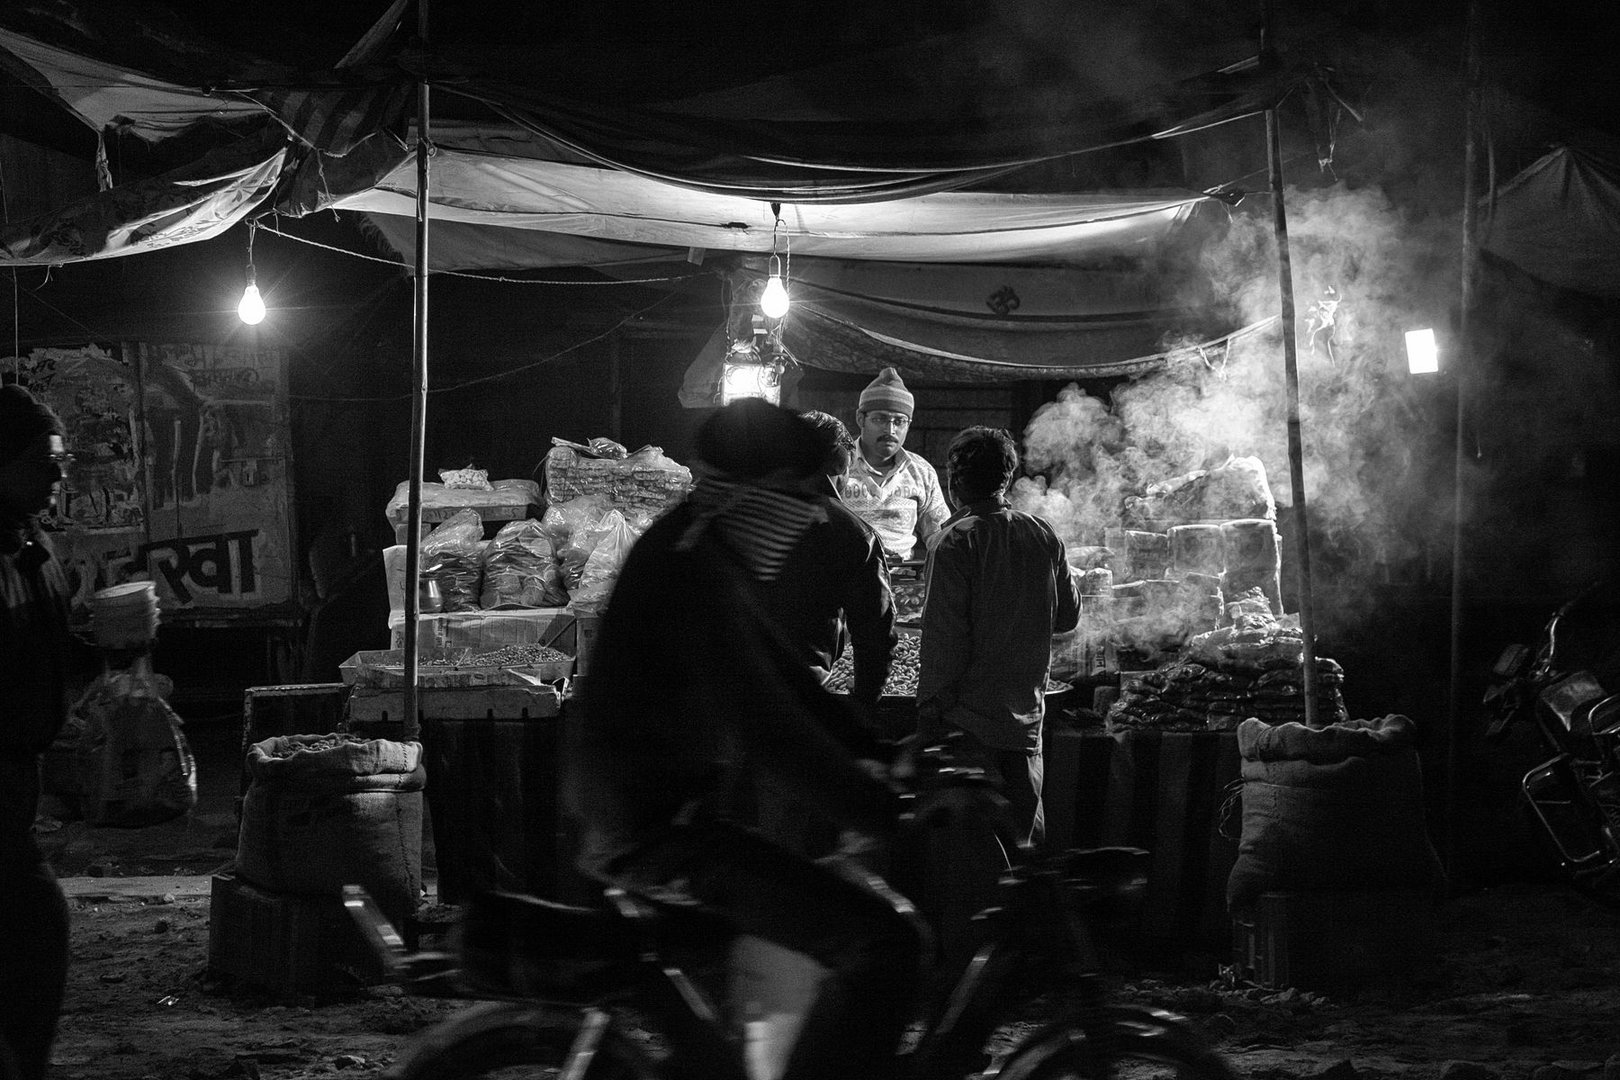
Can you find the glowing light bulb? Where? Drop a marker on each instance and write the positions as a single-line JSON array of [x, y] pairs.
[[251, 309], [773, 302]]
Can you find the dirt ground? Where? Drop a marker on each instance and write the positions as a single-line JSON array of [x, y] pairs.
[[1525, 984]]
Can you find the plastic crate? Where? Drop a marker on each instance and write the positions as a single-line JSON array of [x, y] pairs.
[[384, 669]]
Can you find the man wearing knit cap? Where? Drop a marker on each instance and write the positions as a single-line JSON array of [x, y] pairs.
[[33, 705], [897, 493]]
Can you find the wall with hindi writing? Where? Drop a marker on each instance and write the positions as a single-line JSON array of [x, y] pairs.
[[182, 471]]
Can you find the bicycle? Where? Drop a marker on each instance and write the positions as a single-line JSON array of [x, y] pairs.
[[625, 991]]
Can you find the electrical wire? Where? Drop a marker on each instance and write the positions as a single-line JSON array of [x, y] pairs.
[[560, 353], [480, 277]]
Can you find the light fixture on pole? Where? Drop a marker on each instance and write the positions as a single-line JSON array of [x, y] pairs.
[[251, 309], [773, 301], [1422, 353]]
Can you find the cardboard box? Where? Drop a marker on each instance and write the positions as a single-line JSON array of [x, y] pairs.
[[368, 708], [285, 942]]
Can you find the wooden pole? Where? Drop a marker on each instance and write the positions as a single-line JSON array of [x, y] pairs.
[[1296, 454], [1463, 352], [419, 382]]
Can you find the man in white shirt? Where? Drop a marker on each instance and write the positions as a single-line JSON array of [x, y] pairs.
[[896, 492]]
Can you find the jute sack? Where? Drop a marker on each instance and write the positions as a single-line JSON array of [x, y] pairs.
[[324, 811], [1338, 807]]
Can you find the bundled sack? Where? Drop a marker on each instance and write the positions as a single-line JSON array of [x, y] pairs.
[[520, 569], [1335, 808], [324, 811], [646, 481], [134, 763], [452, 555]]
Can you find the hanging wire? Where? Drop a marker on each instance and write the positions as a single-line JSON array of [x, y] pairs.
[[482, 277], [544, 360]]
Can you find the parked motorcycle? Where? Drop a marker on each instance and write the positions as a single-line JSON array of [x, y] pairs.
[[637, 989], [1562, 689]]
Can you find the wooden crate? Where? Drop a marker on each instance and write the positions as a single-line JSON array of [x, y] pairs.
[[284, 942], [1337, 943], [495, 801], [294, 709]]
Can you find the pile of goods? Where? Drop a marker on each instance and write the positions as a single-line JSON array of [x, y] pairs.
[[1253, 668], [1186, 551], [279, 749], [508, 656], [902, 680]]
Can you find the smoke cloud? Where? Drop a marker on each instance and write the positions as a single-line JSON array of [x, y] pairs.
[[1364, 271]]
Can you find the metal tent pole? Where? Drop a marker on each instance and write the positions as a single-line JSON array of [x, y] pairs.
[[419, 381], [1296, 453]]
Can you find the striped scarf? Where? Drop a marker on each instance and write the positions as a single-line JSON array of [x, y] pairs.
[[760, 525]]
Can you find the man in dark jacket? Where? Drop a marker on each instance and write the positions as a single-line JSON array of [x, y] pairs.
[[694, 695], [33, 706], [999, 586]]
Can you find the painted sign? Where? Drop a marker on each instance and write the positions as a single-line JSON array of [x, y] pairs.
[[181, 472]]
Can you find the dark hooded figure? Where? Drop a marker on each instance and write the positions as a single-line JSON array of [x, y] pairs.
[[695, 694]]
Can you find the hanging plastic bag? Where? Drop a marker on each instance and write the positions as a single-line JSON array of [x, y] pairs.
[[135, 765]]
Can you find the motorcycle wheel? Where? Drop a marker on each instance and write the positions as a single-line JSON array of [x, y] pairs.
[[1141, 1043], [516, 1042]]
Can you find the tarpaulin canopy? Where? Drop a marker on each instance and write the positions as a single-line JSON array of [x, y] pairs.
[[1559, 220], [617, 144]]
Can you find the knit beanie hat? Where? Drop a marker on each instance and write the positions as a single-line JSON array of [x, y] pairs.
[[23, 418], [888, 392]]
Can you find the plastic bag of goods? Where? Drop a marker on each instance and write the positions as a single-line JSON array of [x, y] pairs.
[[468, 479], [520, 569], [613, 538], [452, 555], [134, 763], [570, 525]]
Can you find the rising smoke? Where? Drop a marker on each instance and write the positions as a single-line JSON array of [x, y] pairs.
[[1364, 271]]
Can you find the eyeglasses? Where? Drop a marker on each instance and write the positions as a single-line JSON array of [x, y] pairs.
[[61, 460], [889, 419]]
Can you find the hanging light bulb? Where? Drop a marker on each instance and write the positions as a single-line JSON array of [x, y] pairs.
[[251, 309], [773, 302]]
